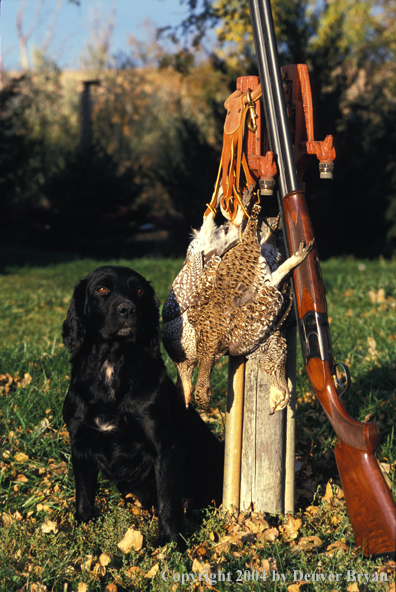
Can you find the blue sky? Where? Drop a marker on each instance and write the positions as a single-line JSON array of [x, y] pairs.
[[71, 30]]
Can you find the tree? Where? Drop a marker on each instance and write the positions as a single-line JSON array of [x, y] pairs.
[[24, 36], [349, 46]]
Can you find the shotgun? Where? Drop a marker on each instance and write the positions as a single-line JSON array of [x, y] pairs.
[[370, 504]]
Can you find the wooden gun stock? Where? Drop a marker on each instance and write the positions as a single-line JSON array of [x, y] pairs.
[[371, 507], [370, 504]]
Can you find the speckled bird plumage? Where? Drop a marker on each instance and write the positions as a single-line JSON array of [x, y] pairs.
[[179, 335], [228, 300]]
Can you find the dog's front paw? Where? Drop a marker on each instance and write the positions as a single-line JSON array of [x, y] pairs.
[[84, 513]]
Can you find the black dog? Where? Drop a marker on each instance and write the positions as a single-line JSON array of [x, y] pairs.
[[123, 412]]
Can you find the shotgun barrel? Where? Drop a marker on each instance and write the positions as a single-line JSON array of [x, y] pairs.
[[370, 504]]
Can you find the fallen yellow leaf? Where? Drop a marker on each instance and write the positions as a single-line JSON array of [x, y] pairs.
[[87, 564], [257, 525], [133, 539], [270, 535], [372, 347], [223, 545], [27, 379], [37, 587], [99, 570], [7, 519], [290, 529], [43, 507], [353, 587], [6, 379], [111, 587], [293, 588], [377, 297], [338, 546], [312, 510], [307, 543], [22, 479], [265, 565], [151, 573], [133, 571], [21, 457], [328, 496], [201, 568], [82, 587], [49, 526], [104, 559]]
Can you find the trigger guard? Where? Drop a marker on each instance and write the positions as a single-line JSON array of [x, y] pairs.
[[342, 387]]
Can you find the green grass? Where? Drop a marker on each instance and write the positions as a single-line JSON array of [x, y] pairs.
[[41, 546]]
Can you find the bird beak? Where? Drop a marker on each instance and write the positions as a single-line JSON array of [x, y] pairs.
[[187, 392]]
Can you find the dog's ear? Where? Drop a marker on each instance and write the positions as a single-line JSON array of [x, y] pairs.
[[74, 327]]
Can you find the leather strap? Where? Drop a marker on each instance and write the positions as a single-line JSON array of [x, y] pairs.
[[233, 159]]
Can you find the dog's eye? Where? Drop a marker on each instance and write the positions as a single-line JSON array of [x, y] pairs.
[[139, 291], [102, 290]]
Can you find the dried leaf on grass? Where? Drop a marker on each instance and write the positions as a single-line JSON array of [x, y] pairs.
[[290, 529], [99, 570], [353, 587], [151, 573], [333, 493], [224, 545], [35, 587], [257, 525], [22, 479], [307, 544], [7, 519], [201, 568], [328, 496], [43, 425], [337, 547], [133, 572], [296, 587], [104, 559], [312, 510], [87, 564], [377, 297], [133, 539], [266, 565], [49, 526], [270, 535], [372, 347]]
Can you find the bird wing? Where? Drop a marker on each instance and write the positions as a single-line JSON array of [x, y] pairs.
[[183, 287]]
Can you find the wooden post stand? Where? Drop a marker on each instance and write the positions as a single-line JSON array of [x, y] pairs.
[[259, 447], [233, 437]]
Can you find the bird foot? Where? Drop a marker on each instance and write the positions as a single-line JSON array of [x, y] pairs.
[[292, 262], [203, 395], [278, 399]]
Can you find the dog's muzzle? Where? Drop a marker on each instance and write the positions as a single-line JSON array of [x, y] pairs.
[[126, 309]]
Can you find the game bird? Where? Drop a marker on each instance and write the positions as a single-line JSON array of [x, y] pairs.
[[229, 298]]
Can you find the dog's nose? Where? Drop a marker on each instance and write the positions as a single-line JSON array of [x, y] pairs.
[[125, 308]]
